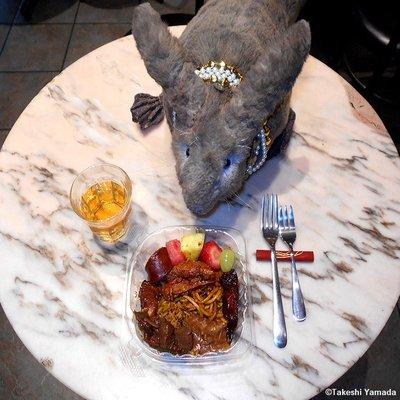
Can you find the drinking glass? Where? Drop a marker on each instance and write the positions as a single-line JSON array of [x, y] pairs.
[[101, 196]]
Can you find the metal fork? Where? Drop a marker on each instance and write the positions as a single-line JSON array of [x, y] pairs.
[[287, 230], [270, 230]]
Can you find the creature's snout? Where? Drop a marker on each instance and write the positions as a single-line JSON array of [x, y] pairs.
[[201, 197], [200, 207]]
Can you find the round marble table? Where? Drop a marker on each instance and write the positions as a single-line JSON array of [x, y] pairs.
[[64, 294]]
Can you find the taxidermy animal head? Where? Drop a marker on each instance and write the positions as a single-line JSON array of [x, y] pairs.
[[214, 126]]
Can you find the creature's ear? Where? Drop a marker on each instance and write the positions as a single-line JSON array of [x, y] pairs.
[[270, 79], [162, 53]]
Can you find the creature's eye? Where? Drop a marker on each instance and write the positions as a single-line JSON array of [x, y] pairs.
[[184, 150], [232, 160]]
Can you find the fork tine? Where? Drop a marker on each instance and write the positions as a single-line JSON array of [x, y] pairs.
[[280, 219], [269, 211], [275, 212], [291, 218], [286, 218], [263, 213]]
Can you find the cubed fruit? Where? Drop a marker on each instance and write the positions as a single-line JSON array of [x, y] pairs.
[[192, 244], [174, 252], [211, 254]]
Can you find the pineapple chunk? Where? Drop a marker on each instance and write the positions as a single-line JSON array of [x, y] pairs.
[[191, 245]]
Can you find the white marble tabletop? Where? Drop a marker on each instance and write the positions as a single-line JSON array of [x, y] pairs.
[[64, 294]]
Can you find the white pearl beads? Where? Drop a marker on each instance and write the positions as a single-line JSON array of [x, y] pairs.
[[219, 73], [261, 152]]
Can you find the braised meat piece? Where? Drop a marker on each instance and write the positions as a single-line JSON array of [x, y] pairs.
[[177, 287], [208, 335], [188, 276], [193, 269], [149, 295], [230, 299], [157, 332], [149, 326], [166, 336], [183, 339]]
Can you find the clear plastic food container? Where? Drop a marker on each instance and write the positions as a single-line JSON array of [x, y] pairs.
[[136, 274]]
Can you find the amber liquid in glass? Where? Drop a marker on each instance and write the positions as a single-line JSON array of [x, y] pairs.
[[100, 203]]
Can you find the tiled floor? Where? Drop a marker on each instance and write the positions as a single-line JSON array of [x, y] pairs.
[[3, 34], [89, 13], [8, 9], [52, 12], [87, 36], [31, 54], [35, 48]]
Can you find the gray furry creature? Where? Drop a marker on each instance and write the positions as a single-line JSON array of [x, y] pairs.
[[213, 130]]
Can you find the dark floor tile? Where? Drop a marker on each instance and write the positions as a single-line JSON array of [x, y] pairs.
[[17, 90], [97, 11], [105, 11], [3, 34], [21, 376], [35, 48], [174, 6], [51, 11], [8, 9], [87, 37], [383, 357], [3, 136]]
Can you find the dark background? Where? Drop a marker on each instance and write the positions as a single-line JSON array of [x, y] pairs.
[[349, 36]]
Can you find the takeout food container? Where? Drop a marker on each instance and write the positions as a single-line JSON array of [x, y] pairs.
[[136, 274]]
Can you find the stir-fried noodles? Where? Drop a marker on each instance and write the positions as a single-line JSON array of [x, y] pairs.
[[206, 302]]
